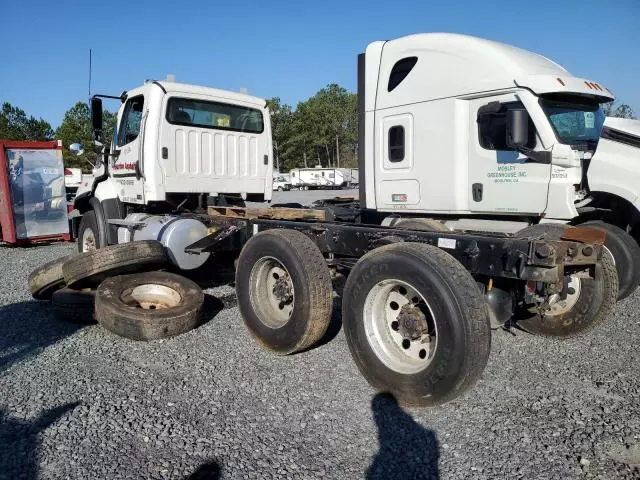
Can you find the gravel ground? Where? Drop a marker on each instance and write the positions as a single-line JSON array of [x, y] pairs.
[[79, 402]]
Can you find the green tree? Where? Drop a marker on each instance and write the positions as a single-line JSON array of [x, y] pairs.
[[15, 125], [76, 128], [281, 128], [621, 111]]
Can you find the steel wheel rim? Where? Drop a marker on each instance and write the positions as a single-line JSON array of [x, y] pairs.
[[88, 240], [152, 296], [383, 327], [612, 257], [558, 307], [271, 292]]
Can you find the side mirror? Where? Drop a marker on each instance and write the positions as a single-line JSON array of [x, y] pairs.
[[76, 148], [517, 129], [96, 117]]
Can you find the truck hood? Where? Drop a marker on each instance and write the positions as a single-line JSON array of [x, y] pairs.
[[621, 125], [615, 166]]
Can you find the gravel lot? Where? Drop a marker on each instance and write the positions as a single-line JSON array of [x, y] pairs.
[[83, 403]]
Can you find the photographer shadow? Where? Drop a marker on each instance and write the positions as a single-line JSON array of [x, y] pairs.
[[407, 449]]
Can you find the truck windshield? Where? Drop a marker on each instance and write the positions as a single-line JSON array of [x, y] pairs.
[[575, 122]]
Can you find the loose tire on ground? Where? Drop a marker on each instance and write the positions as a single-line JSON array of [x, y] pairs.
[[593, 301], [626, 254], [421, 224], [149, 306], [90, 268], [75, 306], [284, 290], [452, 304], [48, 278], [88, 237]]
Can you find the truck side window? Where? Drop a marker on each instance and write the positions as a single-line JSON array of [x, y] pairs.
[[492, 126], [396, 143], [400, 71], [130, 125]]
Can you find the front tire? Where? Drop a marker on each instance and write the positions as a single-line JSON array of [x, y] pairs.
[[416, 323], [626, 254], [88, 237], [593, 298]]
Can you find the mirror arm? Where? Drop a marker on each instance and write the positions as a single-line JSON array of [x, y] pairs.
[[536, 156]]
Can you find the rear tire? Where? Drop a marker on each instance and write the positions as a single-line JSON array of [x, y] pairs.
[[626, 254], [149, 306], [453, 308], [284, 290], [90, 268], [595, 299], [420, 224]]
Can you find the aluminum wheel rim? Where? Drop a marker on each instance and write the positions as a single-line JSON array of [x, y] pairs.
[[382, 306], [88, 240], [152, 296], [271, 292], [557, 306]]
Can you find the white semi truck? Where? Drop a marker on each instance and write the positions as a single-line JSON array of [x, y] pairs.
[[477, 135], [419, 303]]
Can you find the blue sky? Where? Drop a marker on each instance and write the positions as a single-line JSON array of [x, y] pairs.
[[288, 48]]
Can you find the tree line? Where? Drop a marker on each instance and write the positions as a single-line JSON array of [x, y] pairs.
[[322, 130]]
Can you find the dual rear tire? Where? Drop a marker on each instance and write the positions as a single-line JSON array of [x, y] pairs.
[[416, 324]]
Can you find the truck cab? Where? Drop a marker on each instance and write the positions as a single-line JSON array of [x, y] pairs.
[[178, 146], [480, 135], [436, 122]]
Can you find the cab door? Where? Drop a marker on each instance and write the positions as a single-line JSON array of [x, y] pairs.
[[502, 180], [125, 167]]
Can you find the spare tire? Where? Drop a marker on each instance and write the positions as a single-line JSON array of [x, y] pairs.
[[149, 306], [88, 269], [48, 278], [75, 306]]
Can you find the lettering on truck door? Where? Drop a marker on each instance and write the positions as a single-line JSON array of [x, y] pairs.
[[129, 141], [502, 180]]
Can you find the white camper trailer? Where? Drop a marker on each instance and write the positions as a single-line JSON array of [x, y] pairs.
[[320, 178]]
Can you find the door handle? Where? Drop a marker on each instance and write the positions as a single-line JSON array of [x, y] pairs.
[[476, 192]]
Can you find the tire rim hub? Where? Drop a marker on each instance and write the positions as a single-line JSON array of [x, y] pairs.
[[152, 297], [272, 293], [400, 326], [88, 240]]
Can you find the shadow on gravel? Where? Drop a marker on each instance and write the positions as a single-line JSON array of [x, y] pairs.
[[214, 273], [26, 328], [206, 471], [407, 449], [20, 442], [212, 306]]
